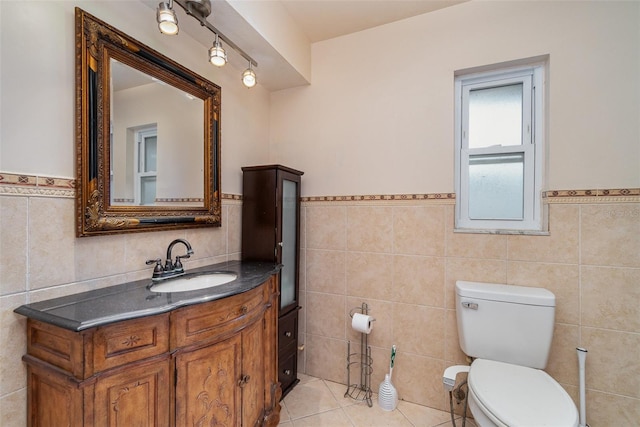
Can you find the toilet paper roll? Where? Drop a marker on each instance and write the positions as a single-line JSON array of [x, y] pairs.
[[362, 323]]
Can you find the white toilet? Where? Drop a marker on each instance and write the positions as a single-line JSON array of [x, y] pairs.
[[508, 331]]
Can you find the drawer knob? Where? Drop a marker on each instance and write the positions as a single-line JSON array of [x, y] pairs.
[[288, 334], [243, 309]]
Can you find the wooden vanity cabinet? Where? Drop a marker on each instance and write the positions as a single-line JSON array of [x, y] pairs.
[[271, 232], [212, 363]]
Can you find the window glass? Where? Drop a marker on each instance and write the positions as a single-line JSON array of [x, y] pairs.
[[496, 186], [495, 116], [150, 150]]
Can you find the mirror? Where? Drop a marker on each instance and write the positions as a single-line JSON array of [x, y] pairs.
[[147, 137]]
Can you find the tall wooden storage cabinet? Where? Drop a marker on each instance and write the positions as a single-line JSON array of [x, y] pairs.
[[271, 232]]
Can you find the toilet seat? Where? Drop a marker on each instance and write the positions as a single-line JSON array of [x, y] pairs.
[[515, 395]]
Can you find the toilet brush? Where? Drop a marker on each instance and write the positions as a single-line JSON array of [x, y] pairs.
[[387, 394]]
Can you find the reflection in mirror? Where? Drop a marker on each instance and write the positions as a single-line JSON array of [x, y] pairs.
[[156, 141], [147, 137]]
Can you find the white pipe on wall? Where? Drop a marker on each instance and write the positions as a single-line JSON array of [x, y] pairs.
[[582, 357]]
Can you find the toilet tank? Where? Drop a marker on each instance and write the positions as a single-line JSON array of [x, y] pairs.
[[506, 323]]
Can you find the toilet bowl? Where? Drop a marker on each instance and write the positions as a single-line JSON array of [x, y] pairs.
[[507, 395]]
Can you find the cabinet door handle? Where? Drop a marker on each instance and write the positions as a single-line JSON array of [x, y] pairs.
[[243, 380], [288, 334]]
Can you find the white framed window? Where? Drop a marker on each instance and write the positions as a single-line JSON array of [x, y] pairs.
[[145, 161], [499, 144]]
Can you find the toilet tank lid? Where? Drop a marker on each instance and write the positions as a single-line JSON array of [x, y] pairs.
[[506, 293]]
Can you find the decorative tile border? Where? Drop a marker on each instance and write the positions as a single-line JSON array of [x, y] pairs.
[[618, 195], [237, 197], [34, 185], [383, 197]]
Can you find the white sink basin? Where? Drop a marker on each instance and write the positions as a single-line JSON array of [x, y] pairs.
[[194, 283]]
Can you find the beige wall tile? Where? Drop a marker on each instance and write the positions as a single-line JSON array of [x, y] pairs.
[[303, 226], [13, 336], [101, 256], [13, 244], [206, 242], [605, 410], [326, 315], [475, 270], [369, 275], [418, 230], [140, 247], [13, 409], [452, 352], [369, 229], [472, 245], [419, 330], [561, 245], [418, 280], [325, 271], [234, 228], [563, 360], [325, 358], [418, 379], [612, 363], [609, 234], [561, 279], [51, 242], [610, 298], [326, 227]]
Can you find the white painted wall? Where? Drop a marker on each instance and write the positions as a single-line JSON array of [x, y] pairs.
[[378, 116], [37, 82]]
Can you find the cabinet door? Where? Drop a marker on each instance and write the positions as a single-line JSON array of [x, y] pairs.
[[137, 396], [52, 398], [207, 391], [253, 369], [289, 245]]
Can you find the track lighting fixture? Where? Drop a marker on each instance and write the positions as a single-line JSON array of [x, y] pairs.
[[167, 19], [217, 54], [249, 77], [200, 9]]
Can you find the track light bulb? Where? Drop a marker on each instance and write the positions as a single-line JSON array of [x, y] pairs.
[[217, 55], [167, 19], [249, 77]]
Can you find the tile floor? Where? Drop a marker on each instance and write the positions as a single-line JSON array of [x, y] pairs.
[[317, 402]]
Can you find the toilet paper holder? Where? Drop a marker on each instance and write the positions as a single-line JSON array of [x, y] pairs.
[[362, 390]]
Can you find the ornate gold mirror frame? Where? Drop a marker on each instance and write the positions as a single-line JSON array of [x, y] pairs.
[[97, 46]]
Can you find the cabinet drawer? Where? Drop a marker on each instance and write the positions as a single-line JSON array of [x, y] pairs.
[[128, 341], [288, 372], [57, 346], [197, 324], [288, 330]]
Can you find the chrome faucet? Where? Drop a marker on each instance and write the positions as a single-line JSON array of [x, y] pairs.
[[170, 269]]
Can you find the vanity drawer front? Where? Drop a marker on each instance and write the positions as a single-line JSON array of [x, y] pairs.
[[195, 324], [131, 340], [57, 346], [288, 330]]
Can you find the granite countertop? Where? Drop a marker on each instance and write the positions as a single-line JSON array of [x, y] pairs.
[[134, 299]]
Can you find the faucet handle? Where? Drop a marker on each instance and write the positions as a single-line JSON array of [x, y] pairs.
[[157, 270], [178, 264]]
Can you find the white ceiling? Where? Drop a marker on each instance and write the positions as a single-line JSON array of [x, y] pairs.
[[318, 19], [326, 19]]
